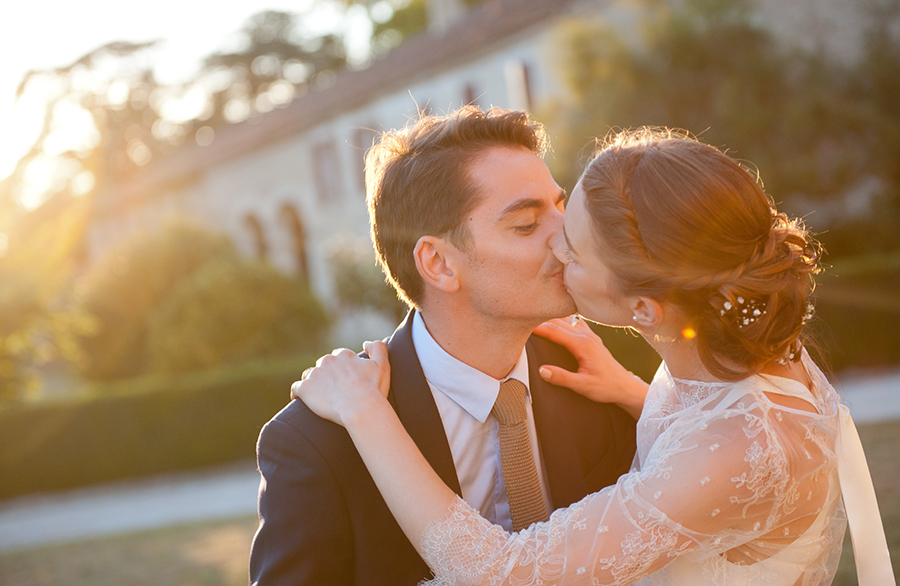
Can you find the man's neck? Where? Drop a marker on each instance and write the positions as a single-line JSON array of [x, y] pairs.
[[488, 346]]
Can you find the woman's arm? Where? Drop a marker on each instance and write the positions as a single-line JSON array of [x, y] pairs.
[[600, 377], [361, 407], [706, 473]]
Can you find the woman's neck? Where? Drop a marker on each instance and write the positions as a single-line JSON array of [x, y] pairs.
[[682, 359]]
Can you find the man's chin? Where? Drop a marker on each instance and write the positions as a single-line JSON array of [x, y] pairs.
[[564, 309]]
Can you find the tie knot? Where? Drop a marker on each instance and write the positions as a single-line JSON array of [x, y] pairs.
[[509, 408]]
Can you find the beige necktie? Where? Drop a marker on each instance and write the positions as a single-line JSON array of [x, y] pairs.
[[526, 502]]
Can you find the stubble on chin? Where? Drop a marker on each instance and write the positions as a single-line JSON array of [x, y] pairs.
[[565, 307]]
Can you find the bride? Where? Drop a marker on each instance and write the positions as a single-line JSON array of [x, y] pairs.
[[736, 476]]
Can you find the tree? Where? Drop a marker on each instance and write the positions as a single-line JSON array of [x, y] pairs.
[[183, 299], [278, 60], [130, 115], [115, 88], [36, 267], [126, 115], [360, 282], [124, 288], [231, 310], [816, 130]]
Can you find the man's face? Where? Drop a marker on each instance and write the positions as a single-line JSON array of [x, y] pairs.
[[509, 272]]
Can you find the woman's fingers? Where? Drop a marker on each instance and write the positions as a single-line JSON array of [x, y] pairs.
[[559, 376], [295, 388], [378, 353], [343, 384], [571, 336], [332, 361]]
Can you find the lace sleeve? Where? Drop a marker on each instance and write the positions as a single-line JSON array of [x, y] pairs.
[[709, 484]]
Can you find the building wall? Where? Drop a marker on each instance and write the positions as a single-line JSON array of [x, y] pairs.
[[330, 205], [316, 176]]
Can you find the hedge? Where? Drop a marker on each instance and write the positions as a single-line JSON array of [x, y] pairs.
[[858, 312], [143, 426], [160, 424]]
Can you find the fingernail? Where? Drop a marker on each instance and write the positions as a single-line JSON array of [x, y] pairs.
[[545, 373]]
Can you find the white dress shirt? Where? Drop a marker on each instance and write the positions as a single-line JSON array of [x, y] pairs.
[[464, 397]]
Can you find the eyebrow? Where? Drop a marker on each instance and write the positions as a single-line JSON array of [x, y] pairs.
[[531, 203]]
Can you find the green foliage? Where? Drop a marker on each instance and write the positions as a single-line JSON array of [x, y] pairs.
[[877, 85], [407, 19], [819, 132], [857, 310], [36, 265], [131, 282], [183, 299], [823, 135], [630, 349], [359, 282], [280, 57], [229, 311], [143, 426], [115, 87]]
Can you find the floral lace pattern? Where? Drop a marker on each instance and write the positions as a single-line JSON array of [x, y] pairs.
[[728, 487]]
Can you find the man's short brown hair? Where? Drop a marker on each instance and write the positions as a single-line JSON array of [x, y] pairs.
[[417, 183]]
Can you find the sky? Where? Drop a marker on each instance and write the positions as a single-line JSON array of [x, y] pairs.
[[42, 34]]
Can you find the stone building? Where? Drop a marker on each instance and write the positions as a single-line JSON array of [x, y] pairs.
[[288, 185]]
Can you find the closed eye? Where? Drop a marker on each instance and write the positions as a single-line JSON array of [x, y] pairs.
[[527, 229]]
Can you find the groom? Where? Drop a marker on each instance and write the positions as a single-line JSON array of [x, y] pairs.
[[463, 213]]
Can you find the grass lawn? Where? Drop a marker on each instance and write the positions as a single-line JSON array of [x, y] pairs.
[[215, 553], [205, 554]]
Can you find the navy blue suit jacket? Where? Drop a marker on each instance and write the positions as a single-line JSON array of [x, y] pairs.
[[322, 520]]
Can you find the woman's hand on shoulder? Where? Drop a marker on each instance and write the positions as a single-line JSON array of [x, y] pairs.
[[599, 377], [342, 385]]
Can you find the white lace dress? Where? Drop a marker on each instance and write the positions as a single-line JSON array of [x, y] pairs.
[[728, 487]]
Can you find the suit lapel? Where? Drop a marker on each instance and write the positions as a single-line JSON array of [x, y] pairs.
[[414, 404], [567, 483]]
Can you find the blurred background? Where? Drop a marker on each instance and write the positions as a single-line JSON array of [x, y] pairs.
[[183, 226]]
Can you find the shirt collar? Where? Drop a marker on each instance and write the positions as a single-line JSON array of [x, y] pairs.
[[468, 387]]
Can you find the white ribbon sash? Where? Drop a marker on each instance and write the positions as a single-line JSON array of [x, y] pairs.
[[873, 562]]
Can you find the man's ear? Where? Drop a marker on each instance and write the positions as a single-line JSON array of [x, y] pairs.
[[647, 312], [434, 261]]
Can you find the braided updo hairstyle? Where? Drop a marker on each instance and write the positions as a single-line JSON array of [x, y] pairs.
[[685, 223]]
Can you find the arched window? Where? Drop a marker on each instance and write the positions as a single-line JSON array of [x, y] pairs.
[[261, 247], [291, 220]]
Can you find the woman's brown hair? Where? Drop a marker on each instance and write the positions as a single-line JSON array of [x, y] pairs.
[[683, 222]]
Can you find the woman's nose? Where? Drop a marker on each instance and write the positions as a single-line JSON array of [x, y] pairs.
[[558, 245]]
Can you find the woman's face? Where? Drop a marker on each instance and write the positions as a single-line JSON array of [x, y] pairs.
[[588, 280]]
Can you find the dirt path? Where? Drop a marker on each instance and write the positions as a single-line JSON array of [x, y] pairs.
[[111, 509]]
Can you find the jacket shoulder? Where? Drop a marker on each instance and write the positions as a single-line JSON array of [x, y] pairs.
[[548, 352]]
